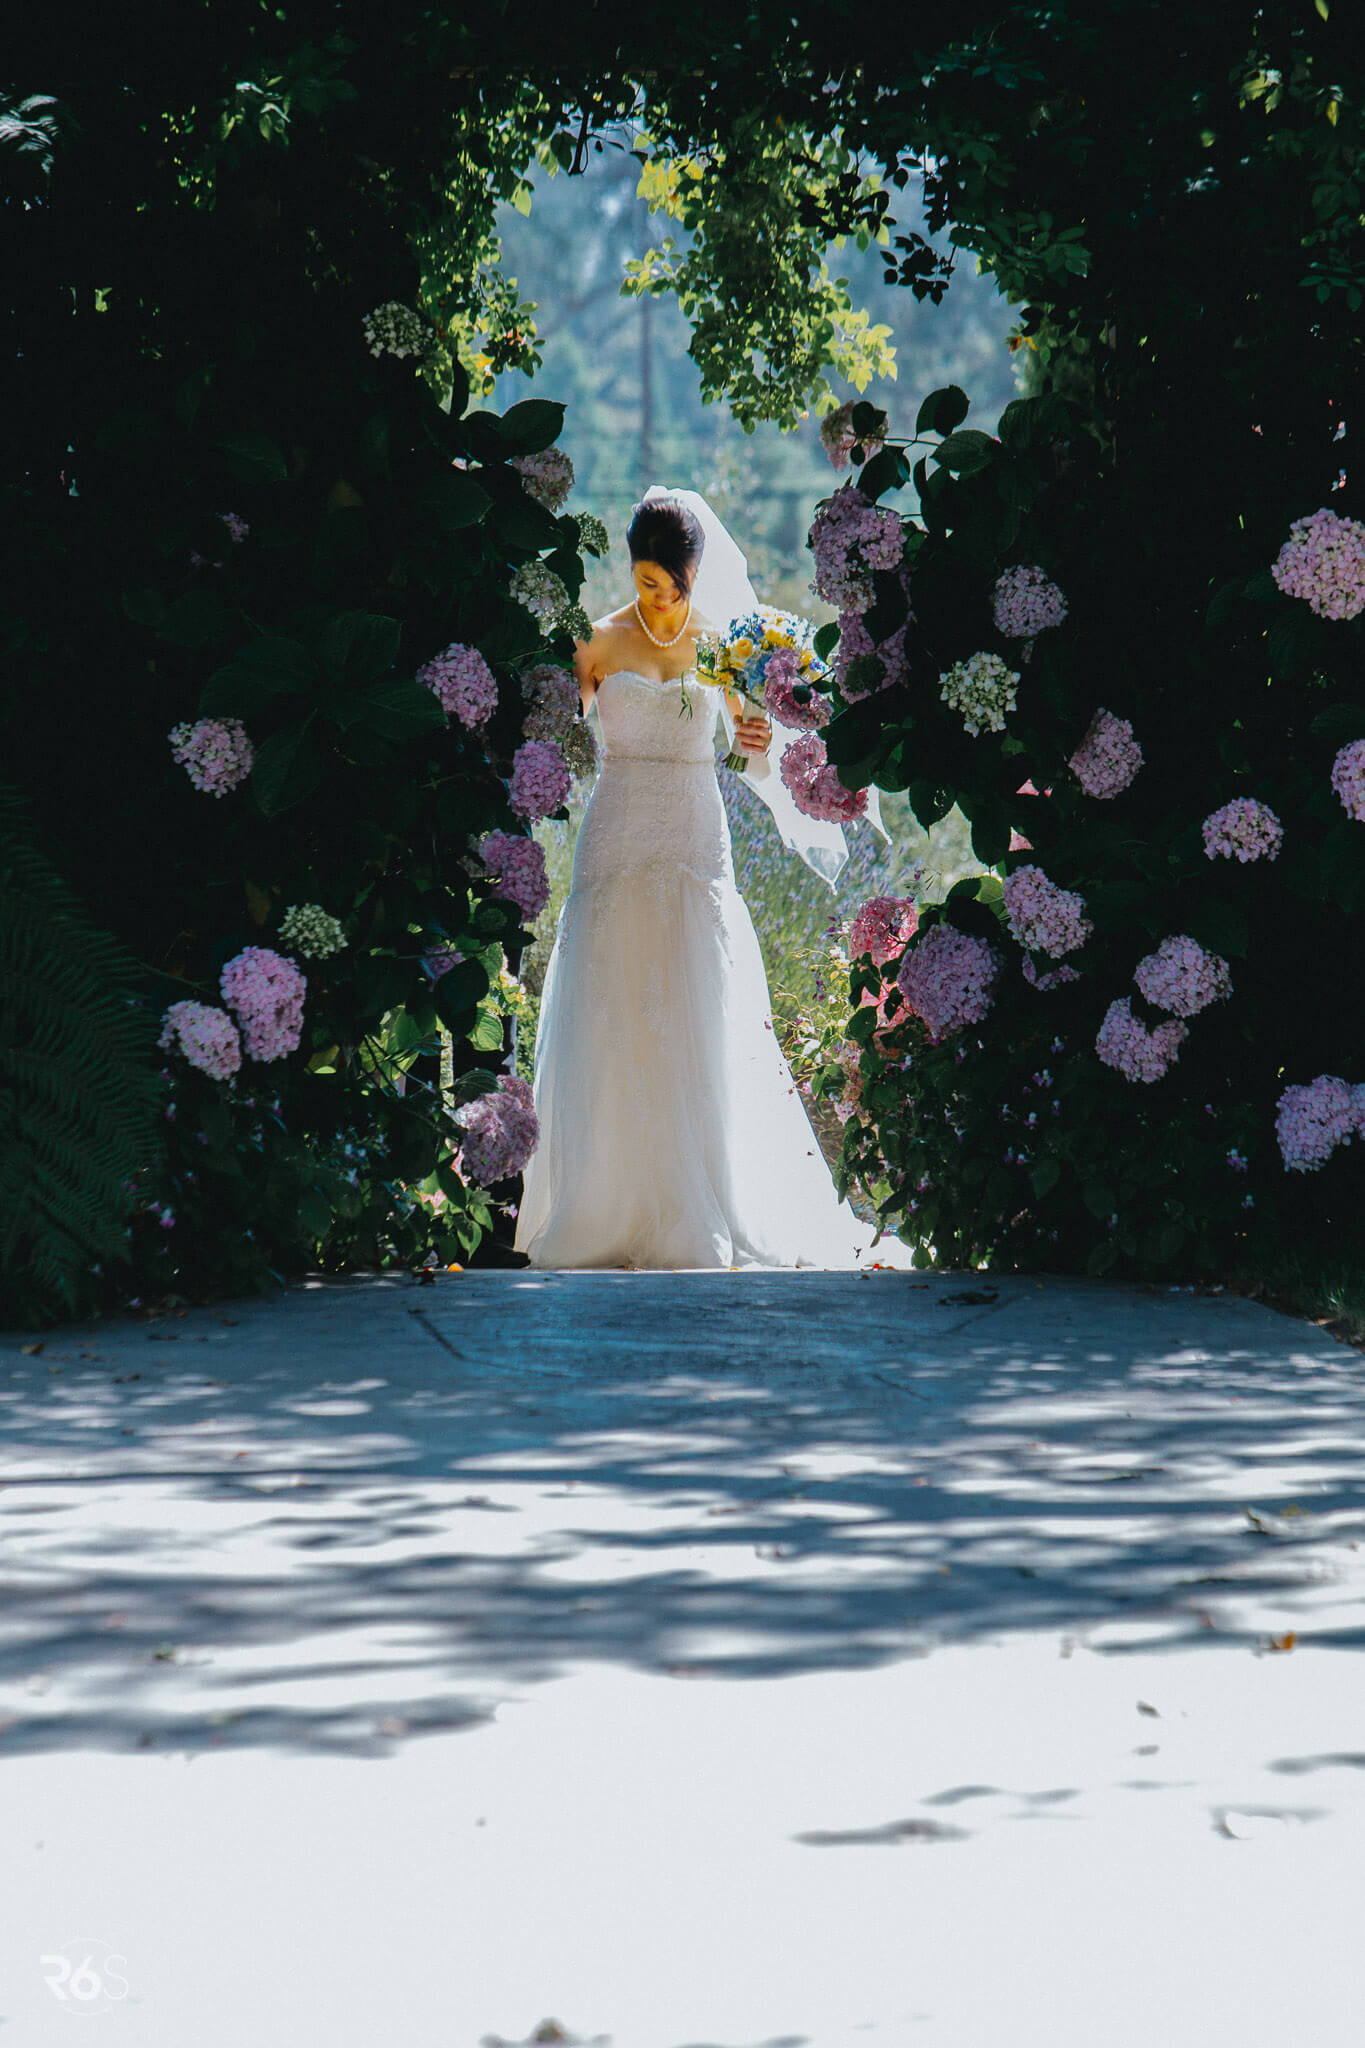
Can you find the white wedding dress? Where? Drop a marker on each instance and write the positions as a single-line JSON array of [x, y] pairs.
[[672, 1133]]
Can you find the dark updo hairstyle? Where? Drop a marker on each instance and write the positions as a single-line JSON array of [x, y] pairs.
[[662, 530]]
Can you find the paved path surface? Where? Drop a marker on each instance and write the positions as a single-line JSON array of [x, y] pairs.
[[726, 1659]]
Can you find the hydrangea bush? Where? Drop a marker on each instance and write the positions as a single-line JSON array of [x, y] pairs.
[[1174, 893], [384, 719]]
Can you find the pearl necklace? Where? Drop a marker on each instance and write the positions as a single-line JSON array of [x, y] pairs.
[[654, 637]]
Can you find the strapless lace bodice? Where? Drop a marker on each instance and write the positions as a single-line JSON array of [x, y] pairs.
[[642, 718]]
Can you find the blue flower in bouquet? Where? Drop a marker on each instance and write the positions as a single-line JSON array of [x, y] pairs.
[[767, 659]]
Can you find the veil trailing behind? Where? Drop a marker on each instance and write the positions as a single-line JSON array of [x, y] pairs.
[[672, 1132]]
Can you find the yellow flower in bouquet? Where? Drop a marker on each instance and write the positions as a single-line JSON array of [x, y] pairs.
[[738, 665]]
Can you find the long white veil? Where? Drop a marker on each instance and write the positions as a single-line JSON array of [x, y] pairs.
[[722, 593]]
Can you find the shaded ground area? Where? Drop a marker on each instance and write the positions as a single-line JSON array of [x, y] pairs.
[[582, 1644]]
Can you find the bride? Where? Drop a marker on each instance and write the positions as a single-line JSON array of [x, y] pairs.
[[672, 1133]]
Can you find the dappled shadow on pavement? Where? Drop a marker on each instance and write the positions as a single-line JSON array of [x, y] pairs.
[[366, 1513]]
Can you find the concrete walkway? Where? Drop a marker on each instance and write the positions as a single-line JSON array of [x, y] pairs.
[[727, 1659]]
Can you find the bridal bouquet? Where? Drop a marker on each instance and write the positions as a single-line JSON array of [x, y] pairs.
[[769, 662]]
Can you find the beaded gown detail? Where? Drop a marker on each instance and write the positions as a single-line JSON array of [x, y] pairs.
[[672, 1133]]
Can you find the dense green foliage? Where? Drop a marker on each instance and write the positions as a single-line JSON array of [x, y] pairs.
[[259, 519], [1173, 201], [78, 1101]]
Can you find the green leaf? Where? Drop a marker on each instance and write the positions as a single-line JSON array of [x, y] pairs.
[[522, 523], [889, 608], [929, 802], [866, 672], [1219, 926], [469, 1086], [1016, 424], [258, 675], [1045, 1176], [1339, 724], [315, 1212], [990, 832], [497, 917], [465, 984], [453, 498], [885, 472], [532, 425], [482, 433], [966, 453], [253, 459], [943, 410], [288, 768], [359, 647], [862, 1024], [827, 639], [487, 1033], [398, 709], [1099, 1199], [1289, 643], [147, 607], [196, 619]]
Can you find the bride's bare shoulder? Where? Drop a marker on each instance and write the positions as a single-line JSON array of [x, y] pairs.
[[596, 658]]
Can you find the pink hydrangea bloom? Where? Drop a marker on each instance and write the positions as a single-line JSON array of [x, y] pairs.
[[1181, 977], [1025, 603], [518, 866], [780, 676], [265, 992], [1054, 977], [1313, 1120], [1108, 757], [854, 639], [1136, 1052], [1323, 561], [499, 1131], [1243, 830], [1348, 778], [815, 786], [206, 1036], [883, 926], [555, 701], [547, 476], [1043, 917], [540, 779], [947, 979], [851, 1094], [237, 528], [214, 752], [839, 440], [463, 681], [850, 538]]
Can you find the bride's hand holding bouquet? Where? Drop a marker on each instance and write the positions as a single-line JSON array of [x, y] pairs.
[[765, 647]]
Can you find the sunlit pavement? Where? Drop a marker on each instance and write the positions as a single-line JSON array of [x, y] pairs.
[[724, 1659]]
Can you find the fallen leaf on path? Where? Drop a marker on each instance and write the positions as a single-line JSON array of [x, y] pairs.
[[30, 1350], [1143, 1708], [1285, 1642]]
